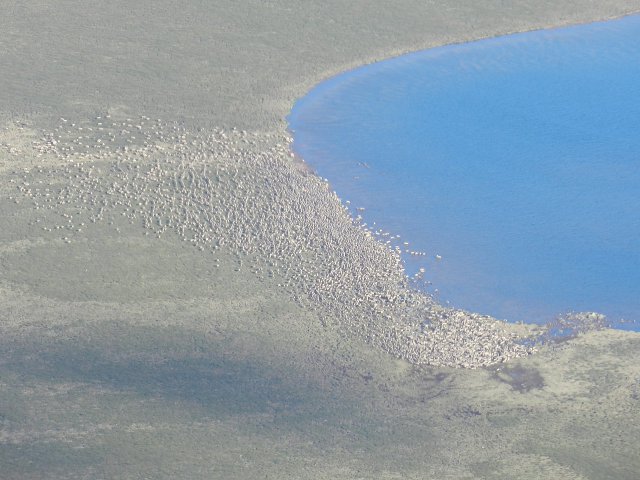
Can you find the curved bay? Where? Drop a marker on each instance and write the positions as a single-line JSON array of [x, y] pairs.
[[511, 162]]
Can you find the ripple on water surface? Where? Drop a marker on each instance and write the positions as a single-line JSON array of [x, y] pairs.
[[513, 163]]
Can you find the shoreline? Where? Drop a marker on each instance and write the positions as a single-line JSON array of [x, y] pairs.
[[399, 52], [306, 104], [355, 281]]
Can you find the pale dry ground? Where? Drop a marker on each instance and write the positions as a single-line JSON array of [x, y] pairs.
[[128, 356]]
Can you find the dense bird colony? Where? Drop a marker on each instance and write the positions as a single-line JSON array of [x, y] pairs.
[[246, 193]]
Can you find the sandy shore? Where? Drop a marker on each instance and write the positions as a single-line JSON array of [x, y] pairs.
[[180, 299]]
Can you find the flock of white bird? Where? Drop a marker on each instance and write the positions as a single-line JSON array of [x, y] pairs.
[[233, 192]]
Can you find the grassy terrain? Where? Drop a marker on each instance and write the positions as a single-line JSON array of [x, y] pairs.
[[128, 356]]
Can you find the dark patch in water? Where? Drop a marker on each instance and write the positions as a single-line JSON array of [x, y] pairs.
[[367, 378], [636, 390], [464, 412], [440, 377], [522, 379]]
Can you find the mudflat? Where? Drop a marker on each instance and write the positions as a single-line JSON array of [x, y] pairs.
[[181, 298]]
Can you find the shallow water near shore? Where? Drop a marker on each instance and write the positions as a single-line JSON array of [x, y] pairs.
[[509, 165]]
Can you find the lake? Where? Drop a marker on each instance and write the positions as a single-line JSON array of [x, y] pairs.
[[512, 163]]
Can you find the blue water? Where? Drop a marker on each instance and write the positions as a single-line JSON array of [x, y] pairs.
[[516, 159]]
